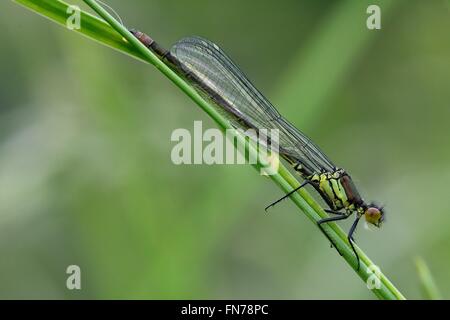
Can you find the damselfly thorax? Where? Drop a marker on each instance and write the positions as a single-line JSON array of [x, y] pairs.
[[338, 190]]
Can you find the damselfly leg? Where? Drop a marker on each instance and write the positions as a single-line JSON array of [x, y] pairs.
[[306, 182], [341, 216], [331, 219], [350, 239]]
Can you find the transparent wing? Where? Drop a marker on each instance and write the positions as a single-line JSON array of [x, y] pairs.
[[216, 77]]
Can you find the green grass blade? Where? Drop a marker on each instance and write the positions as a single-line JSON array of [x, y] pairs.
[[91, 26], [429, 288]]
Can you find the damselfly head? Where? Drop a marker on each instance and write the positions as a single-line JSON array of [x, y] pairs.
[[374, 215]]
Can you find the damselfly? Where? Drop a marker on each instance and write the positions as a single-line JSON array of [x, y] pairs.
[[212, 73]]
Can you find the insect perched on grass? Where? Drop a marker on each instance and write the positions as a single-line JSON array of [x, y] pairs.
[[212, 73]]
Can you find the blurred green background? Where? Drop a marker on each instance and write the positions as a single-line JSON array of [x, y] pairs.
[[86, 176]]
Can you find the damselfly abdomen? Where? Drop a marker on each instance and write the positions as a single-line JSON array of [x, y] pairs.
[[212, 73]]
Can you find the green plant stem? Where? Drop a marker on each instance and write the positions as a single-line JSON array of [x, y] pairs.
[[91, 26], [428, 285], [56, 10]]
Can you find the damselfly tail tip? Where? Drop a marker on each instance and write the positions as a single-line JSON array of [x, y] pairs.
[[142, 37]]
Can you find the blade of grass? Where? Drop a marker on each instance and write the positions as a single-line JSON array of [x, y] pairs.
[[91, 26], [429, 288], [56, 10]]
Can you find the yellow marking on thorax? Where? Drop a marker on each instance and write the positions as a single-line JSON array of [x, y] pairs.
[[332, 187]]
